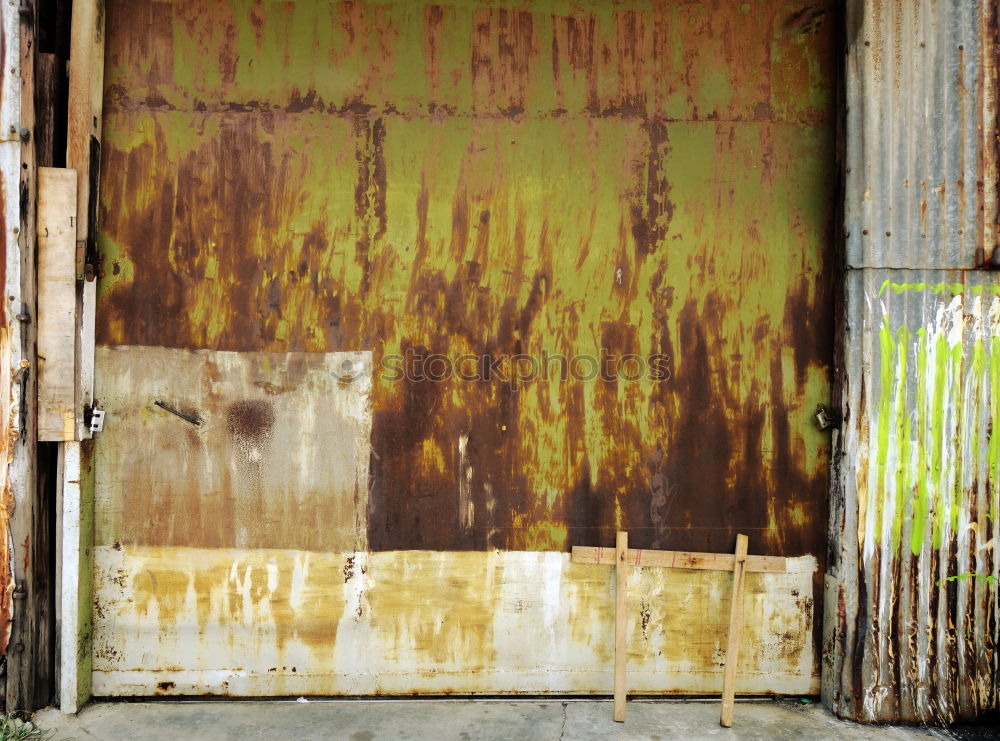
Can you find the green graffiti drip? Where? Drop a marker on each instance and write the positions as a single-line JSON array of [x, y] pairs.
[[920, 509], [979, 369], [937, 437], [903, 432], [887, 377], [955, 289], [958, 496], [994, 436]]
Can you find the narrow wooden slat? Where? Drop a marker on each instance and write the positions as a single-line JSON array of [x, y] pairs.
[[735, 629], [83, 153], [56, 304], [679, 559], [621, 599], [49, 82], [25, 559]]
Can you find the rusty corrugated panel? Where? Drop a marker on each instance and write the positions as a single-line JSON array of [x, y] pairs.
[[911, 627], [481, 179], [921, 469], [914, 151]]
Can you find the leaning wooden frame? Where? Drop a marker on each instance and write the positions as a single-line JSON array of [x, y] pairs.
[[623, 558]]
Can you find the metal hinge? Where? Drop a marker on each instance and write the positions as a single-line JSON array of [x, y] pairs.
[[85, 269], [93, 418], [825, 419]]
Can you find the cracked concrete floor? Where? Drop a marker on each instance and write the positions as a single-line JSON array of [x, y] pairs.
[[464, 720]]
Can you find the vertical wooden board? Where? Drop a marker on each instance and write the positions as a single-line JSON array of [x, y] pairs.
[[76, 575], [621, 625], [735, 629], [56, 304], [83, 152], [51, 80], [26, 611]]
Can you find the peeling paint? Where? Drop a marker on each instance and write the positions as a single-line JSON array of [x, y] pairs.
[[239, 622], [279, 458]]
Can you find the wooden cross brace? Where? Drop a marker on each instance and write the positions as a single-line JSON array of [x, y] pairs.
[[739, 563]]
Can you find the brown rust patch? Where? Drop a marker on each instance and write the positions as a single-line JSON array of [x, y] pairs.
[[250, 420], [468, 213], [261, 470]]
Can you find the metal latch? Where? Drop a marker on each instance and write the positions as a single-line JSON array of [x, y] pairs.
[[96, 420], [85, 269], [825, 419]]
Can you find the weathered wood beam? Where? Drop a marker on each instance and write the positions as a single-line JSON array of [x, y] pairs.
[[57, 319], [679, 559], [621, 623], [735, 632], [83, 154], [26, 607]]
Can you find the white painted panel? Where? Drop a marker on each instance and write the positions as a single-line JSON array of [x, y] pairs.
[[269, 622], [56, 304]]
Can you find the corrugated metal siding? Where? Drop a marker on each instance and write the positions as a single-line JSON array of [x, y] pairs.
[[911, 592], [914, 150]]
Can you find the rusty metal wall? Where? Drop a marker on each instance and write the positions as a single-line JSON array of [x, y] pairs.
[[471, 178], [911, 590], [648, 178]]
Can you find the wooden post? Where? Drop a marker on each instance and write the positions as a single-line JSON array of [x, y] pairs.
[[26, 603], [56, 304], [83, 154], [621, 625], [735, 629]]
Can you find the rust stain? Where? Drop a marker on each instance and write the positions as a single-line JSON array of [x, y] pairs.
[[268, 469], [609, 182], [285, 593], [424, 622], [7, 442]]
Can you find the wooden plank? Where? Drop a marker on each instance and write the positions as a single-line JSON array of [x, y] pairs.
[[24, 535], [735, 630], [621, 625], [76, 580], [83, 147], [679, 559], [56, 304], [50, 85]]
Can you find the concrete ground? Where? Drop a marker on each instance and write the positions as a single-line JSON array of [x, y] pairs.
[[463, 720]]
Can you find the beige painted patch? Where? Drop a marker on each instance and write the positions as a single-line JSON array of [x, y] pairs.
[[266, 622], [278, 457]]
